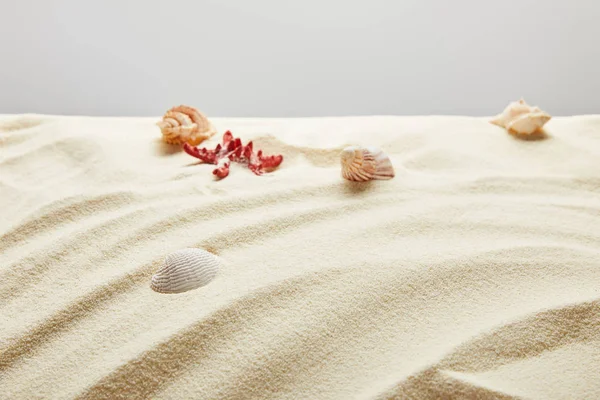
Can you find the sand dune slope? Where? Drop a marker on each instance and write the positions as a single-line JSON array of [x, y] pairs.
[[474, 273]]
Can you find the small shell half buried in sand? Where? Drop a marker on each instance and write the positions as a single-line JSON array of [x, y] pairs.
[[185, 270], [185, 124], [520, 118], [361, 164]]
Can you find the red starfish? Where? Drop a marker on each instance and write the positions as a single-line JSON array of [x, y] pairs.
[[233, 150]]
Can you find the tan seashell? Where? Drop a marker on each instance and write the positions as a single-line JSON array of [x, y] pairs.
[[185, 124], [362, 164], [520, 118], [185, 270]]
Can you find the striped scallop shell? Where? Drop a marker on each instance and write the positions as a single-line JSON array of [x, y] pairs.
[[185, 270], [185, 124], [362, 164]]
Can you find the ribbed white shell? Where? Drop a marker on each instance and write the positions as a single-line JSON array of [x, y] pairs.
[[185, 270], [362, 164]]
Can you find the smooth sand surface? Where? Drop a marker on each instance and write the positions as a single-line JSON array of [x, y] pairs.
[[474, 273]]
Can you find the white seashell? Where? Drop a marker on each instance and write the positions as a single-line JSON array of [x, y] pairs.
[[185, 270], [362, 164], [185, 124], [520, 118]]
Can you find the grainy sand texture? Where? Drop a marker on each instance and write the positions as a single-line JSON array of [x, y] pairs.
[[474, 273]]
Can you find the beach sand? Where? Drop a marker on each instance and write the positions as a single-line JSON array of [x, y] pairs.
[[474, 273]]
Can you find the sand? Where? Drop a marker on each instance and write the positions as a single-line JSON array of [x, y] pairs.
[[474, 273]]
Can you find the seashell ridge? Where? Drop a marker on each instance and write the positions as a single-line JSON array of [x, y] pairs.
[[184, 270], [361, 164]]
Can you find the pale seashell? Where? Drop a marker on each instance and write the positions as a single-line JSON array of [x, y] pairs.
[[362, 164], [520, 118], [185, 124], [185, 270]]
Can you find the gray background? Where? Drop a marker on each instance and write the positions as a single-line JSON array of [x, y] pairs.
[[299, 58]]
